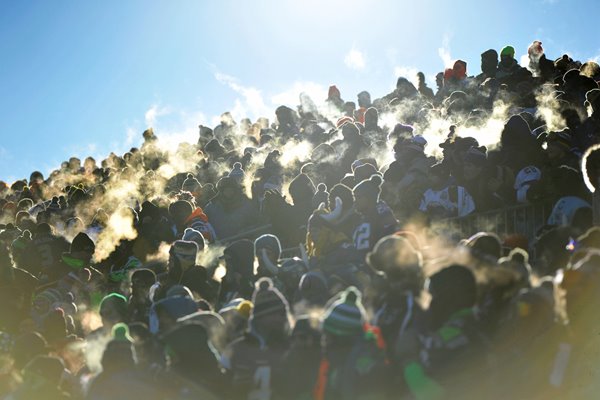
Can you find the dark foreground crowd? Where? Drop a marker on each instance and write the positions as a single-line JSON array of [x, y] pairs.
[[236, 268]]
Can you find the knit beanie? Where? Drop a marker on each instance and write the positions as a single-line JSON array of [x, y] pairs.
[[313, 287], [490, 54], [119, 273], [191, 184], [369, 187], [55, 326], [364, 171], [333, 92], [267, 241], [485, 245], [454, 285], [82, 243], [507, 51], [416, 143], [241, 253], [268, 300], [193, 235], [185, 252], [302, 187], [476, 157], [227, 182], [19, 245], [47, 300], [144, 276], [237, 173], [346, 316], [398, 259], [562, 139], [321, 196], [116, 301], [119, 351], [189, 342], [240, 306]]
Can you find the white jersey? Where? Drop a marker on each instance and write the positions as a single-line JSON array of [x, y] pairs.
[[456, 200], [525, 178]]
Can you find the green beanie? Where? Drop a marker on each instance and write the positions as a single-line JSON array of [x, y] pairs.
[[346, 316], [507, 51], [120, 332]]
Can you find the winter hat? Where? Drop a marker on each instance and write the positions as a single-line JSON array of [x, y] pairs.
[[191, 184], [268, 300], [267, 241], [119, 274], [237, 173], [55, 326], [397, 258], [476, 157], [364, 171], [143, 276], [535, 49], [515, 132], [346, 316], [82, 243], [321, 196], [400, 133], [344, 193], [119, 352], [189, 342], [490, 54], [454, 284], [185, 252], [214, 148], [313, 287], [304, 326], [350, 131], [507, 51], [176, 307], [333, 92], [241, 253], [115, 300], [227, 182], [241, 306], [301, 187], [416, 143], [180, 209], [485, 245], [20, 243], [518, 261], [562, 139], [369, 187], [48, 299], [192, 235]]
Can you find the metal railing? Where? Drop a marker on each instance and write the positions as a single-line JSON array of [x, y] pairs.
[[523, 219]]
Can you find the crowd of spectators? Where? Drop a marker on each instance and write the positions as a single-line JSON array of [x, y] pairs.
[[309, 257]]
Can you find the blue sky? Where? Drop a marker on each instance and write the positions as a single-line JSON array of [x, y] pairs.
[[86, 78]]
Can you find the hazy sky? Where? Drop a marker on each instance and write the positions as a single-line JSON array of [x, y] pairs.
[[81, 78]]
